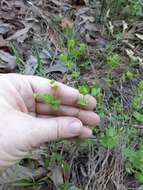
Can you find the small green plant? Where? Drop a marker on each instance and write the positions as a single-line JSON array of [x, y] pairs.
[[75, 74], [48, 99], [140, 85], [137, 105], [19, 59], [137, 101], [83, 102], [96, 91], [84, 89], [134, 162], [110, 138], [138, 116], [71, 55], [25, 182], [114, 60], [40, 68], [132, 8], [129, 75]]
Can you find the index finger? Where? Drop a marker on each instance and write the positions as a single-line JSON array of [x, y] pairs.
[[67, 95]]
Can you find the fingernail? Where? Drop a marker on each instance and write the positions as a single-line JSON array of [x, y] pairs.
[[75, 127]]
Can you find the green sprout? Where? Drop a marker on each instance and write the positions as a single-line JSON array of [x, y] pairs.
[[129, 75], [83, 102], [48, 99], [110, 139], [134, 159], [84, 89], [140, 85], [114, 60]]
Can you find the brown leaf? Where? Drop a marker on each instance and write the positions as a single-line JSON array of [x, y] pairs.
[[31, 65], [56, 176], [7, 62], [18, 172], [20, 35], [3, 43], [58, 67], [66, 22], [4, 28]]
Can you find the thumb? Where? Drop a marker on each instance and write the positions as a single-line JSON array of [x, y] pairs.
[[44, 130]]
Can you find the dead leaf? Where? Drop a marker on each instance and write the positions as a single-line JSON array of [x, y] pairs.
[[140, 36], [7, 62], [17, 172], [66, 22], [4, 28], [20, 35], [91, 27], [56, 175], [81, 11], [57, 67], [87, 18], [125, 26], [129, 34], [31, 65], [3, 43]]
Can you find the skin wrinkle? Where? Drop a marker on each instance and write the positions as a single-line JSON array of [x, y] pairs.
[[29, 100]]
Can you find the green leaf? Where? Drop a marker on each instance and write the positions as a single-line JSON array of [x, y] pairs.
[[129, 75], [83, 102], [95, 92], [55, 104], [63, 57], [140, 85], [48, 99], [82, 48], [139, 177], [114, 60], [138, 116], [110, 138], [75, 74], [84, 89], [22, 183], [69, 65], [71, 43]]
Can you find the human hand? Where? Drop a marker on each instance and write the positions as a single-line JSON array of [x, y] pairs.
[[26, 123]]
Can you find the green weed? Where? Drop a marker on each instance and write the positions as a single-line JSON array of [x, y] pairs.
[[19, 59], [114, 60], [134, 159], [140, 85], [110, 138], [129, 75], [102, 9], [83, 102], [48, 99], [73, 53]]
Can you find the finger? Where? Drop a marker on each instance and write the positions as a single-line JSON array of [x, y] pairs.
[[67, 95], [44, 130], [87, 117], [44, 116]]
